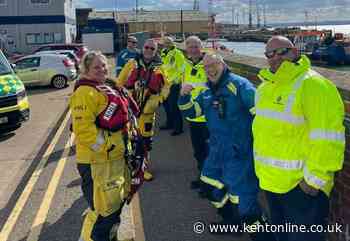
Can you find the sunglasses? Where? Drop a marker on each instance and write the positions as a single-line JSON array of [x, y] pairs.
[[133, 42], [279, 52], [148, 47]]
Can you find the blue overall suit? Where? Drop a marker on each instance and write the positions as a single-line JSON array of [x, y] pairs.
[[228, 170]]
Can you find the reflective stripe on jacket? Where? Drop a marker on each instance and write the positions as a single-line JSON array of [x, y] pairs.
[[298, 129], [195, 75]]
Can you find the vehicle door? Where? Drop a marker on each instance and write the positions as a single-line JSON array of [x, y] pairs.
[[27, 69], [48, 68]]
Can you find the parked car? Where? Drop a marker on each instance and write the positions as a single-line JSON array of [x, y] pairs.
[[79, 49], [14, 105], [68, 53], [46, 69]]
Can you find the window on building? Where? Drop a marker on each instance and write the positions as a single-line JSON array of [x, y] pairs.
[[48, 38], [40, 1], [30, 38], [58, 38], [3, 2], [40, 38]]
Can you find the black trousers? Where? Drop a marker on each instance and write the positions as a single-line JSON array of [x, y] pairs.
[[199, 137], [299, 208], [173, 113], [166, 106]]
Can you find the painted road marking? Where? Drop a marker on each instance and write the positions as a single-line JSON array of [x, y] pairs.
[[50, 192], [11, 221]]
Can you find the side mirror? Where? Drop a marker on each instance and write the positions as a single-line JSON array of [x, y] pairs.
[[13, 66]]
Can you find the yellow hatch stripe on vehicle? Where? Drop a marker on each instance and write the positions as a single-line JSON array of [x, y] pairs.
[[24, 104], [9, 109]]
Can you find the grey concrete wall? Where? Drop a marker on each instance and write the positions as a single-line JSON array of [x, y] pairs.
[[23, 30]]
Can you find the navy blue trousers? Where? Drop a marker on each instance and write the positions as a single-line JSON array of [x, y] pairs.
[[297, 207]]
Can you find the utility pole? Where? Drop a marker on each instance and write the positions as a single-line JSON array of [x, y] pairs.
[[244, 17], [181, 25], [250, 15], [115, 12], [136, 15], [257, 14], [264, 12], [136, 9], [306, 18], [233, 15]]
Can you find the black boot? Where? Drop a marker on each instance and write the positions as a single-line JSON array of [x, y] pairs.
[[230, 220], [259, 234], [229, 213]]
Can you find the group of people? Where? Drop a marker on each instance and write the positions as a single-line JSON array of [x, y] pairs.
[[285, 138]]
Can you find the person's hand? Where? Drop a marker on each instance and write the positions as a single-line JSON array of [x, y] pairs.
[[306, 188], [186, 89]]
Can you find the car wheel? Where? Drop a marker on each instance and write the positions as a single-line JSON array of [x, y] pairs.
[[59, 81]]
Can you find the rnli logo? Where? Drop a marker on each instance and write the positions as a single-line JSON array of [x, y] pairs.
[[279, 100], [112, 185]]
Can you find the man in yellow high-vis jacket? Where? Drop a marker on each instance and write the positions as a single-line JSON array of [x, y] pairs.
[[173, 65], [194, 75], [298, 139]]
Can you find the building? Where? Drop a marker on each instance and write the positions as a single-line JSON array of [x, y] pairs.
[[102, 34], [27, 24], [194, 21], [82, 17]]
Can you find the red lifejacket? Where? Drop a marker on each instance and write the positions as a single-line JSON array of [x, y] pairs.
[[149, 81], [119, 109], [153, 80]]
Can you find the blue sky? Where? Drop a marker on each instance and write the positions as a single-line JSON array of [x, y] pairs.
[[276, 10]]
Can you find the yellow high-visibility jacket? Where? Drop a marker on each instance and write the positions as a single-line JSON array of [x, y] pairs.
[[173, 64], [195, 75], [298, 129]]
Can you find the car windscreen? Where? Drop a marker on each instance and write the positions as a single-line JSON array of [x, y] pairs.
[[5, 67]]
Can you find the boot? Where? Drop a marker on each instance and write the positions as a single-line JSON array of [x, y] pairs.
[[259, 236], [230, 217], [148, 176], [229, 214]]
